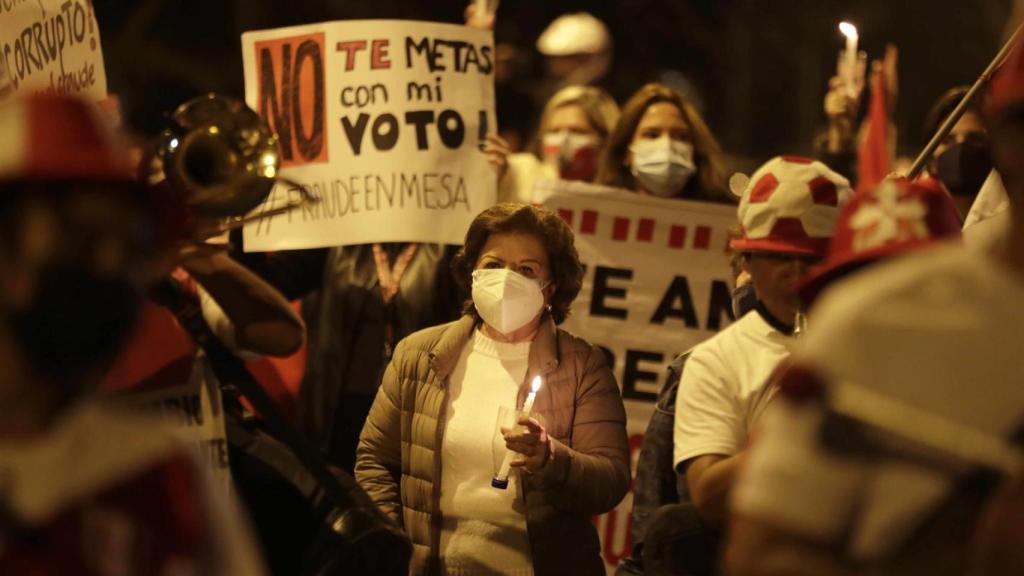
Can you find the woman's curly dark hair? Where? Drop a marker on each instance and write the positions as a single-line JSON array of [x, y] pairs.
[[553, 233]]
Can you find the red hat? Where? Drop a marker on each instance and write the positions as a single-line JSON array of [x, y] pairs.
[[1007, 85], [790, 206], [60, 138], [896, 217], [57, 139]]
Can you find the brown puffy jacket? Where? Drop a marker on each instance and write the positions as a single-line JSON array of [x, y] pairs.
[[399, 457]]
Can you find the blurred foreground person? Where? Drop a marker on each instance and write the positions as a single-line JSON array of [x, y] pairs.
[[426, 453], [574, 129], [84, 487], [869, 463], [788, 213], [661, 146]]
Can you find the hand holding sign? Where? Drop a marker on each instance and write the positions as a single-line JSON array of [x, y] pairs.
[[481, 14], [387, 129]]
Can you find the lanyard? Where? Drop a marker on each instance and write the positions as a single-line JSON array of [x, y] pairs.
[[388, 275]]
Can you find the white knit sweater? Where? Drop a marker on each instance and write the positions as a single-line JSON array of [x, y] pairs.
[[484, 529]]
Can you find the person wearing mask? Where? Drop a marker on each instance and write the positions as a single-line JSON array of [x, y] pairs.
[[661, 146], [963, 160], [920, 350], [788, 214], [88, 487], [573, 130], [425, 453], [360, 300]]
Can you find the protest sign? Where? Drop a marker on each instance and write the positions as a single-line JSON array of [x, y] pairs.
[[195, 412], [51, 46], [383, 121], [657, 283], [657, 276]]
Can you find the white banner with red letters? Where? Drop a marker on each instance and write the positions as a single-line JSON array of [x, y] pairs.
[[383, 120], [51, 46], [657, 283]]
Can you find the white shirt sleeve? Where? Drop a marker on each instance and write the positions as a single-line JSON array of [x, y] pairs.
[[708, 416], [222, 326], [791, 482]]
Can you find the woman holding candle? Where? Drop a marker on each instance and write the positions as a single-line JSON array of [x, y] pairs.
[[661, 146], [425, 452]]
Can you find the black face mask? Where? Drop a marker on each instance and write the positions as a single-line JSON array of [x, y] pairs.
[[77, 320], [964, 166], [743, 300]]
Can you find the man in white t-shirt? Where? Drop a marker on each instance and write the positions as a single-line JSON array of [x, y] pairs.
[[787, 212], [881, 451]]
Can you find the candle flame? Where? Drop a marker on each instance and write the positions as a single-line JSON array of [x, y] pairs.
[[848, 30], [535, 386]]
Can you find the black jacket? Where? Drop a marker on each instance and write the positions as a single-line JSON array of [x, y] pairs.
[[347, 322]]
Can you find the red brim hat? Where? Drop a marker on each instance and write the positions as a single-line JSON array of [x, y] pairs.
[[811, 247], [57, 142], [819, 277], [940, 221]]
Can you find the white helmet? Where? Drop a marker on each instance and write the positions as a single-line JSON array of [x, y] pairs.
[[578, 33]]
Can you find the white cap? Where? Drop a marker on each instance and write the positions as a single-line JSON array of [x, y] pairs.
[[578, 33]]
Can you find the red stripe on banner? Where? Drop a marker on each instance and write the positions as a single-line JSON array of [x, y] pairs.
[[566, 215], [702, 238], [620, 231], [589, 225], [645, 230], [676, 236]]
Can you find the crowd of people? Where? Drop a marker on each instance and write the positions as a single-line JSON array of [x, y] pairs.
[[860, 416]]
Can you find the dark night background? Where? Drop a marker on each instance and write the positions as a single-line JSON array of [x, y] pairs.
[[761, 67]]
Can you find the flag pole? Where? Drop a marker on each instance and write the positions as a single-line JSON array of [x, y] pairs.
[[958, 112]]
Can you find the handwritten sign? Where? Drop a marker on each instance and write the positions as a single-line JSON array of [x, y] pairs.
[[383, 121], [194, 411], [51, 46], [657, 278], [657, 283]]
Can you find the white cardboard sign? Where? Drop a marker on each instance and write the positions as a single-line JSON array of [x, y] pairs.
[[383, 121]]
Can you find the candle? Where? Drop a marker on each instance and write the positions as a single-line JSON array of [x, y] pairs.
[[534, 387], [501, 479], [850, 31]]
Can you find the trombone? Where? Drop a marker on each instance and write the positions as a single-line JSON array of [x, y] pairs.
[[224, 158]]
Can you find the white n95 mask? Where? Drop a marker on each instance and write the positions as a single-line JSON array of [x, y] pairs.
[[662, 166], [506, 300]]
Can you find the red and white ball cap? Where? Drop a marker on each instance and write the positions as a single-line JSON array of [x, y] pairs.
[[896, 217], [49, 138], [790, 206]]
